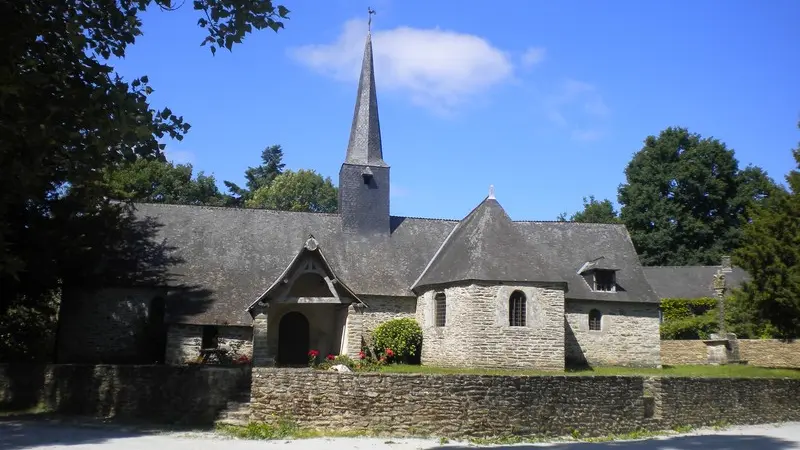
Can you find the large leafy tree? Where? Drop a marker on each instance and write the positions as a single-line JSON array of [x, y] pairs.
[[156, 181], [686, 198], [65, 117], [594, 211], [260, 176], [304, 190], [770, 253]]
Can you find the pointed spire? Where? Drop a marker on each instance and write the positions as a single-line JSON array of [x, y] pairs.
[[365, 147]]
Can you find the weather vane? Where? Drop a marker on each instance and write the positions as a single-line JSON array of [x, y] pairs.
[[370, 12]]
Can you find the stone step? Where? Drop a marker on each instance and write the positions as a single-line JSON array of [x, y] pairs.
[[238, 406], [233, 422]]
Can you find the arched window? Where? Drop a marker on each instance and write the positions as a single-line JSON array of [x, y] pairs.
[[516, 309], [441, 309], [595, 319]]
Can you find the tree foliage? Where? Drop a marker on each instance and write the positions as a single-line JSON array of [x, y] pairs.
[[303, 190], [66, 117], [594, 211], [770, 253], [260, 176], [156, 181], [685, 198]]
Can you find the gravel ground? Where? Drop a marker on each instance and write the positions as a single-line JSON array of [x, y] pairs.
[[41, 435]]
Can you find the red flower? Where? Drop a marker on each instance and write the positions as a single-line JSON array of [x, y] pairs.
[[313, 353], [361, 354], [389, 353], [330, 358]]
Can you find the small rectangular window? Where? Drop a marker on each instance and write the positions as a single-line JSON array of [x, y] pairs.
[[441, 309], [210, 337]]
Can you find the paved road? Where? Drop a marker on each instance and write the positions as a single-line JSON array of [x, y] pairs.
[[16, 435]]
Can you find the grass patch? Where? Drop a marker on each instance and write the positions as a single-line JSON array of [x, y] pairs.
[[726, 371]]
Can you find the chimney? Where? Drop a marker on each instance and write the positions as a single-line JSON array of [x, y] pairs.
[[726, 264]]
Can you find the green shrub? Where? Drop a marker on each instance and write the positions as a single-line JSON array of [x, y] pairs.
[[684, 308], [693, 327], [402, 336]]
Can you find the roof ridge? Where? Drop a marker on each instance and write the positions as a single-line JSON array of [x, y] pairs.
[[233, 208], [426, 218], [568, 222]]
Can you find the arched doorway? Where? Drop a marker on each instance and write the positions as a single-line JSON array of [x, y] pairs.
[[293, 339]]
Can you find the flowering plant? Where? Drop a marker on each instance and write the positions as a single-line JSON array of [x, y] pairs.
[[362, 355], [312, 357], [330, 357], [244, 359]]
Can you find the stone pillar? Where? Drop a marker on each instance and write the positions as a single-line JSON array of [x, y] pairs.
[[354, 330], [719, 291], [262, 356]]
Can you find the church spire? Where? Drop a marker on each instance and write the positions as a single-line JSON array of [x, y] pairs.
[[365, 147]]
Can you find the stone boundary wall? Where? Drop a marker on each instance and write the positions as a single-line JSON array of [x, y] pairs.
[[157, 393], [756, 352], [677, 353], [479, 405]]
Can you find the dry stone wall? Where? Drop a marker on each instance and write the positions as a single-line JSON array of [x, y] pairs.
[[448, 405], [628, 336], [163, 394], [477, 331], [474, 405], [756, 352]]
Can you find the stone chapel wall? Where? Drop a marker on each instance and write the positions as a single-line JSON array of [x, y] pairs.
[[629, 334], [477, 331], [184, 341], [108, 325]]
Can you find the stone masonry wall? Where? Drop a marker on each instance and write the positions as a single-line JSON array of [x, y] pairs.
[[477, 332], [475, 405], [675, 353], [447, 405], [184, 341], [162, 394], [381, 309], [756, 352], [117, 334], [628, 336]]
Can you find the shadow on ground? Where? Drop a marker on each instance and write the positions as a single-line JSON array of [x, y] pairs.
[[44, 430], [711, 442]]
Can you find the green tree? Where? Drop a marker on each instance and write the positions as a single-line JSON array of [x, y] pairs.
[[304, 190], [594, 211], [66, 117], [770, 253], [156, 181], [685, 198], [260, 176]]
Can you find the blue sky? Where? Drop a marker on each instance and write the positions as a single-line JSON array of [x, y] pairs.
[[547, 101]]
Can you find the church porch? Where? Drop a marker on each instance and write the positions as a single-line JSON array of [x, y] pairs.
[[306, 308]]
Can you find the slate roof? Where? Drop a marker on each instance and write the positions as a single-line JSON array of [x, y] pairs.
[[487, 246], [236, 254], [690, 281]]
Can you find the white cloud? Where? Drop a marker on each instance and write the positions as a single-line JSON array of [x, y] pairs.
[[580, 107], [532, 56], [179, 156], [435, 67]]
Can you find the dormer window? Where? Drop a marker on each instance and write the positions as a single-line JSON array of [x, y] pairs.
[[604, 280], [600, 275]]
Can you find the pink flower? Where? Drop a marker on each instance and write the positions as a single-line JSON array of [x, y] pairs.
[[313, 353], [389, 353], [330, 358], [361, 354]]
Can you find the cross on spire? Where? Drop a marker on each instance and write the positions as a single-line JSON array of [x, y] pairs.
[[370, 13], [491, 192]]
